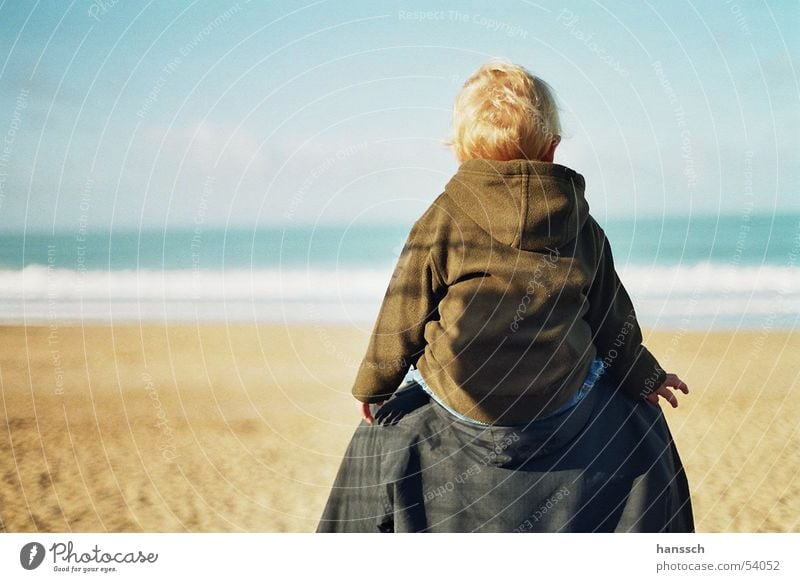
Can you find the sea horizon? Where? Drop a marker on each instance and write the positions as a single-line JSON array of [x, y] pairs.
[[691, 271]]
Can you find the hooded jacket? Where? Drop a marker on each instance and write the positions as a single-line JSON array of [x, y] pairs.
[[503, 294]]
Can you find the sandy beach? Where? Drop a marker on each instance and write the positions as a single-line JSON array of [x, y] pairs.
[[241, 428]]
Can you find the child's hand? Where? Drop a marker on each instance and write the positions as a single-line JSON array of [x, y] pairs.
[[671, 381], [367, 413]]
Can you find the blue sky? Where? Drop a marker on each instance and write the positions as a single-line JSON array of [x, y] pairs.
[[130, 115]]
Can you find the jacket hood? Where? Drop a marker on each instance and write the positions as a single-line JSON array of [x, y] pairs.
[[525, 204]]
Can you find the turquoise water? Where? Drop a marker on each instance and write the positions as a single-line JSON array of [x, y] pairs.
[[726, 240], [682, 272]]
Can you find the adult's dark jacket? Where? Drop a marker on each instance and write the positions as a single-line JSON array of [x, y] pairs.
[[504, 293], [609, 464]]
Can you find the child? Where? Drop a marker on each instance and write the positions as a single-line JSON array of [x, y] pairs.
[[505, 296]]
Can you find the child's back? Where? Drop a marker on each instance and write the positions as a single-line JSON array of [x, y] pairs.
[[506, 289]]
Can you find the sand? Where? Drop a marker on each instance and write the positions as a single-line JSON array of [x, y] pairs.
[[241, 428]]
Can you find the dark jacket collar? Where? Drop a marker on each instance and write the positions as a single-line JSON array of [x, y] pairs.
[[526, 204]]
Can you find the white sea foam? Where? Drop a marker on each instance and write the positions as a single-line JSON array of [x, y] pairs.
[[692, 295]]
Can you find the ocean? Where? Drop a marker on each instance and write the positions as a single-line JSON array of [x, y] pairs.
[[686, 272]]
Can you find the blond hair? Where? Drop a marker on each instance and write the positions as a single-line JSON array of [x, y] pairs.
[[503, 112]]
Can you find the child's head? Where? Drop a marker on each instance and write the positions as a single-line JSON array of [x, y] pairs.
[[504, 113]]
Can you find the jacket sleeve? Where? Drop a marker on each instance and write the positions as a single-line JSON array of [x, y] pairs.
[[616, 331], [398, 339]]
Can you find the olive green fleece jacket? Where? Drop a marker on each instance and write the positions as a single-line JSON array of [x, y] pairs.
[[503, 294]]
